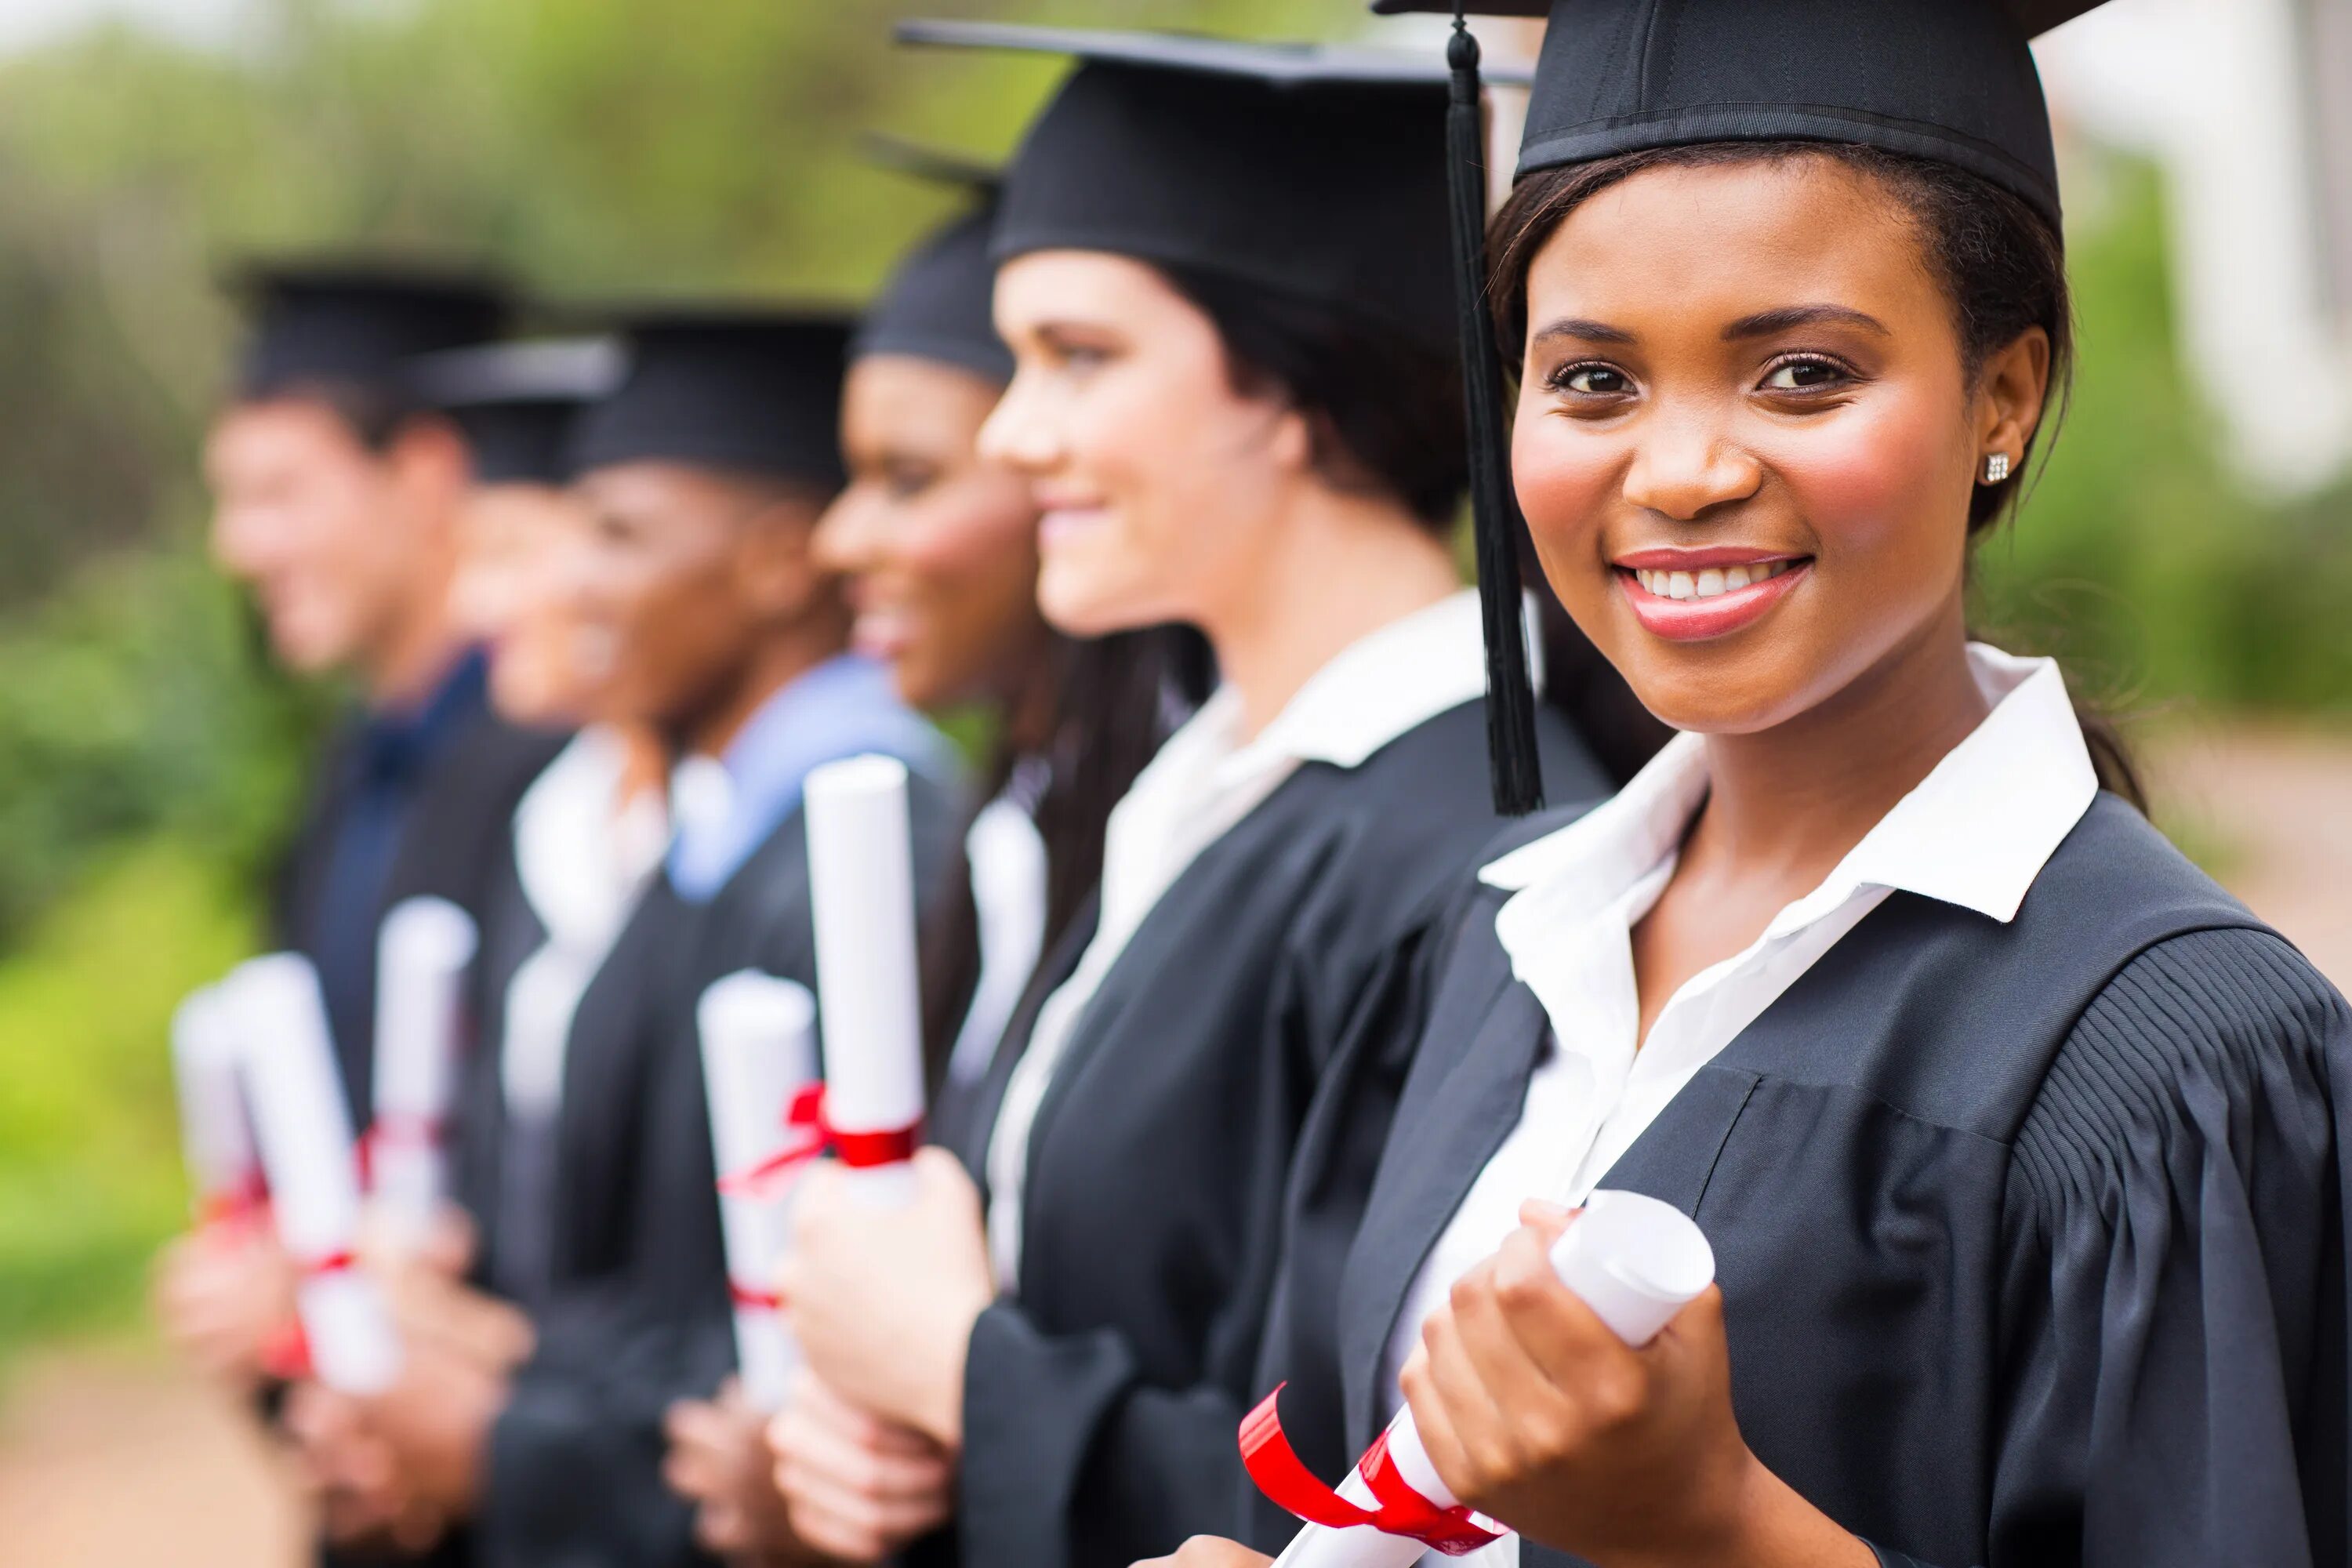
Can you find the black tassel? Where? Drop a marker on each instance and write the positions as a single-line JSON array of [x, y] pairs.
[[1516, 771]]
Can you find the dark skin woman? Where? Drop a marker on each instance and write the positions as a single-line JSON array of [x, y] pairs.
[[1770, 396]]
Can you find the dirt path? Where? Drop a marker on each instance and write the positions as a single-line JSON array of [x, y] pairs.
[[118, 1460]]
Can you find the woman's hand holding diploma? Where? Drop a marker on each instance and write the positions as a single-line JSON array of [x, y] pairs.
[[883, 1300], [1534, 1412]]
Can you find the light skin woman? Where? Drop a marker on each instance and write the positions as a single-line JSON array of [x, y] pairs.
[[1752, 364], [1171, 490]]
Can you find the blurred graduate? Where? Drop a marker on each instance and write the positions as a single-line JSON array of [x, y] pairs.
[[695, 613], [339, 491], [1236, 401], [938, 549], [2021, 1146]]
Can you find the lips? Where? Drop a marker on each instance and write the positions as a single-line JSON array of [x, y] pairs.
[[1692, 596]]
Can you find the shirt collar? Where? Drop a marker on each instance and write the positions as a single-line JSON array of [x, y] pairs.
[[1377, 687], [727, 807], [1974, 832]]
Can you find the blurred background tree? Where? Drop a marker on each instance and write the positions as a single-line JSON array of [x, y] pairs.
[[149, 760]]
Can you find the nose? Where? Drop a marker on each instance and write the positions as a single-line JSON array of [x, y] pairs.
[[1019, 432], [847, 537], [1686, 465]]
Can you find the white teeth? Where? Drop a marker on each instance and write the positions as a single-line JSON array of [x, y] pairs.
[[1707, 584]]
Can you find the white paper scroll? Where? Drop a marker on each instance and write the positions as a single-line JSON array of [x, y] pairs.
[[862, 887], [304, 1134], [422, 954], [215, 1133], [759, 1052], [1635, 1260]]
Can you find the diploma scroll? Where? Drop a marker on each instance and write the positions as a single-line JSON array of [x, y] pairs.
[[862, 888], [759, 1057], [216, 1132], [304, 1133], [422, 954], [1635, 1260]]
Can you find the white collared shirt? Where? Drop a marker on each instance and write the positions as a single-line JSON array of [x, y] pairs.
[[1200, 786], [584, 856], [1975, 832]]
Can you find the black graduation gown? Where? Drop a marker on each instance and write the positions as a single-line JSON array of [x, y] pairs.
[[2031, 1236], [455, 817], [635, 1312], [1100, 1401]]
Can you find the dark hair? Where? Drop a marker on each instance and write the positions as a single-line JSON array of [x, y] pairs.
[[2001, 264], [375, 416], [1386, 409], [1114, 700]]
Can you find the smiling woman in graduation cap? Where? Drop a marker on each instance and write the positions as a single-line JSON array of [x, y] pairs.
[[1223, 276], [2019, 1144]]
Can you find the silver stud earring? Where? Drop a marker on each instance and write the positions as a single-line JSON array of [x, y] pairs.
[[1996, 468]]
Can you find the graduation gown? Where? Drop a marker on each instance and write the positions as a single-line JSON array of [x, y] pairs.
[[634, 1311], [1101, 1398], [2031, 1237], [454, 789]]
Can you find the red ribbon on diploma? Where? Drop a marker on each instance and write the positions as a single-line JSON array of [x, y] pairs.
[[753, 1298], [394, 1127], [1282, 1476], [247, 1201], [286, 1354], [805, 1116]]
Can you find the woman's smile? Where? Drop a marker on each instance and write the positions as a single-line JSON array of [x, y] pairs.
[[1691, 594]]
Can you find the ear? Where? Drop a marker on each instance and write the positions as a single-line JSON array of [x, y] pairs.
[[775, 562], [1292, 444], [429, 462], [2010, 396]]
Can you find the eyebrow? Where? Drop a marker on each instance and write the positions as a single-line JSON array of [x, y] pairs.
[[1589, 332], [1765, 323]]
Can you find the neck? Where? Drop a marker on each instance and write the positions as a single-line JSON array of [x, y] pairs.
[[415, 655], [1336, 568], [773, 663], [1790, 801]]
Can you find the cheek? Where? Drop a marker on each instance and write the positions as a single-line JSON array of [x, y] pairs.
[[1566, 480], [1866, 485]]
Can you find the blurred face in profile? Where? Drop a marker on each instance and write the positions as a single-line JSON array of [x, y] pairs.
[[1156, 477], [340, 544], [520, 549], [938, 545], [684, 573]]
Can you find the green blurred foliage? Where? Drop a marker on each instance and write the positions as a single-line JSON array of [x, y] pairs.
[[2159, 579], [149, 760]]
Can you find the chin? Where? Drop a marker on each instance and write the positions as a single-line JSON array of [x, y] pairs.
[[1078, 608]]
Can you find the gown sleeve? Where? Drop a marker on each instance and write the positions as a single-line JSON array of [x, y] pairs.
[[1070, 1454], [2174, 1367]]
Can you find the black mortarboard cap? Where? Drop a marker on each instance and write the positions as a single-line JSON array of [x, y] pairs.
[[1947, 79], [355, 322], [748, 391], [516, 402], [1312, 172], [939, 303]]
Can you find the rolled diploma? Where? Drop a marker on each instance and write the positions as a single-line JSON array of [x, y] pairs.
[[862, 889], [422, 953], [1635, 1260], [216, 1134], [304, 1134], [758, 1051]]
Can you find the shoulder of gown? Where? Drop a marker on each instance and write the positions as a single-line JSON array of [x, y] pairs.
[[2173, 1297]]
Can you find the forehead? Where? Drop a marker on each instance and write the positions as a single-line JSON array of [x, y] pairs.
[[1049, 285], [283, 425], [1729, 239]]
